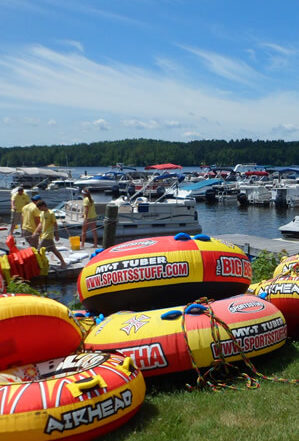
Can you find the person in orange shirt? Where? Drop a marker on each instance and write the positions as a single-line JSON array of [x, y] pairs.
[[90, 217], [18, 200]]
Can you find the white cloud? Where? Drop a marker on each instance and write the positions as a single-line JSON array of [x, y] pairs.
[[192, 134], [7, 121], [41, 78], [252, 54], [232, 69], [172, 124], [137, 124], [280, 49], [100, 124], [167, 65], [76, 44], [286, 130], [51, 122], [279, 56], [31, 121]]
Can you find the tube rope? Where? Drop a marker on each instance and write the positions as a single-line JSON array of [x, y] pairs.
[[208, 379]]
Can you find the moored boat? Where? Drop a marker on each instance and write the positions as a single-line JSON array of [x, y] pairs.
[[291, 229], [137, 217]]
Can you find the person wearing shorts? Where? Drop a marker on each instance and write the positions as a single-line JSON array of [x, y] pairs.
[[30, 220], [47, 228], [18, 201], [89, 218]]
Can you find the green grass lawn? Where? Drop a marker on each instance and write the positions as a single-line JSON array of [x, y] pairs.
[[171, 413]]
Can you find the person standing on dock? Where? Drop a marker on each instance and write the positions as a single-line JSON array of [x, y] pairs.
[[90, 217], [48, 229], [18, 200], [30, 220]]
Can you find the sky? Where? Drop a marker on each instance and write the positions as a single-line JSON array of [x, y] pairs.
[[76, 71]]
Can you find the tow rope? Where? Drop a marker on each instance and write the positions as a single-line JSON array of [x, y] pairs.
[[222, 373]]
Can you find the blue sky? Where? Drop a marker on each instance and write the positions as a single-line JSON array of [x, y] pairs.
[[87, 70]]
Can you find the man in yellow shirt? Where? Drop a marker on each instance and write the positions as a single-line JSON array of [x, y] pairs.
[[30, 220], [48, 229], [18, 200]]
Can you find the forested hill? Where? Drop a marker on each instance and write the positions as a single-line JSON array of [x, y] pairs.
[[142, 152]]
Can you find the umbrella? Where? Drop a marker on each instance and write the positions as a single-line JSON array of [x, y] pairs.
[[163, 167]]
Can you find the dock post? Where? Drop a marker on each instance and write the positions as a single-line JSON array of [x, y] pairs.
[[110, 221]]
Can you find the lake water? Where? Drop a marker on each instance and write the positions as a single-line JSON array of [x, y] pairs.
[[221, 218]]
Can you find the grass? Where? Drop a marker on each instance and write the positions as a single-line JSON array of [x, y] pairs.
[[171, 413]]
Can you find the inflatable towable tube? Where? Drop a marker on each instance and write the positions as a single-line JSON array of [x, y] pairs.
[[156, 341], [78, 397], [283, 292], [287, 263], [163, 271], [34, 329]]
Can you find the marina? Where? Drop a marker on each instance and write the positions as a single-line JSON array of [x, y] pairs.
[[149, 220]]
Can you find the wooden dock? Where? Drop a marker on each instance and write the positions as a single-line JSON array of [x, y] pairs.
[[76, 260], [253, 245]]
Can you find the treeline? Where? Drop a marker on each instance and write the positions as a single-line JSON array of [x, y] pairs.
[[142, 152]]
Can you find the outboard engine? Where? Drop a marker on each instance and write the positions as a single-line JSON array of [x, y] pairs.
[[242, 199], [281, 200], [210, 195], [131, 190], [160, 191], [115, 191]]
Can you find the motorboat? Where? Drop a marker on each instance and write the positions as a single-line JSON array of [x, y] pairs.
[[201, 191], [137, 217], [250, 167], [29, 177], [52, 196], [286, 193], [251, 194], [53, 186], [101, 181], [291, 229]]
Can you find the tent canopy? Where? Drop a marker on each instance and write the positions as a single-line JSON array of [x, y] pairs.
[[256, 173], [168, 166]]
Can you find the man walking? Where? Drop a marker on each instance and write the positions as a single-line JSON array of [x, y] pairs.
[[48, 229], [18, 200], [30, 220]]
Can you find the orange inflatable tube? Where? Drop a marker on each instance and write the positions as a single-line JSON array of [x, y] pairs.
[[157, 343], [162, 271], [34, 329]]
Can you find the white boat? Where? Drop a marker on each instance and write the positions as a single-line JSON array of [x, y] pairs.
[[101, 181], [254, 195], [53, 186], [286, 193], [51, 196], [291, 229], [29, 177], [201, 191], [136, 218]]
